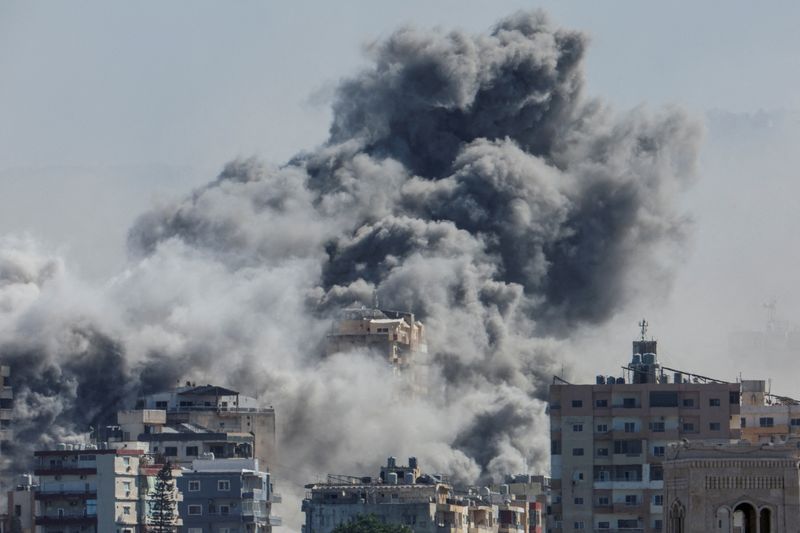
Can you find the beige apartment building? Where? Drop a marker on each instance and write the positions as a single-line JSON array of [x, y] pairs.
[[609, 440], [85, 489], [395, 335], [740, 487], [766, 417]]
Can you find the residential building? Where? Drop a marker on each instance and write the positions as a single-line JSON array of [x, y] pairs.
[[609, 440], [22, 505], [397, 336], [399, 495], [227, 496], [219, 410], [738, 487], [767, 417], [531, 491], [85, 489], [6, 406]]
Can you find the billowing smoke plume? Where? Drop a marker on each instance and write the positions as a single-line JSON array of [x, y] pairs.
[[466, 179]]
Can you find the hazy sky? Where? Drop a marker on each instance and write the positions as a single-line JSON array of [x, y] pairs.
[[108, 107]]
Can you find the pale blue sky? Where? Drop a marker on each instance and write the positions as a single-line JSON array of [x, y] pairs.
[[106, 107]]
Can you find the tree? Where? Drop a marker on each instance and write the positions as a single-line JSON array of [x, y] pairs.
[[162, 502], [370, 524]]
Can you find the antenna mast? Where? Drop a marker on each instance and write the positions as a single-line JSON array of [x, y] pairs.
[[643, 325]]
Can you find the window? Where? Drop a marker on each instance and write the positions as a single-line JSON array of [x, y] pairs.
[[161, 405], [658, 451], [171, 451], [602, 428], [223, 484], [224, 509], [555, 447], [630, 447], [766, 422], [579, 476], [126, 510], [629, 403], [663, 399], [688, 427], [713, 402], [630, 427], [194, 486], [657, 427], [126, 461], [795, 422], [577, 451], [579, 524], [656, 473], [631, 499], [577, 403], [688, 402], [658, 499], [601, 403], [628, 523], [744, 422], [602, 452], [191, 451], [578, 501], [126, 486], [658, 524], [714, 426], [195, 530], [577, 428], [195, 510], [603, 501], [604, 525]]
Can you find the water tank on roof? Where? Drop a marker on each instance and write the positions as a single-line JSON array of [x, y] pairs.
[[648, 358], [412, 462], [485, 493], [637, 359], [601, 380], [504, 490], [409, 478], [61, 446], [392, 478], [620, 380], [611, 380], [678, 377], [392, 462]]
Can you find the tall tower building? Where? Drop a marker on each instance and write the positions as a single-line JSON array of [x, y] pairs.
[[608, 439]]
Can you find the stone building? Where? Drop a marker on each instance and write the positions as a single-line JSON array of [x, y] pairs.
[[609, 440], [738, 487]]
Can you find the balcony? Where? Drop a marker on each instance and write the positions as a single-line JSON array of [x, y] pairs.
[[66, 519], [629, 508], [50, 495], [64, 470]]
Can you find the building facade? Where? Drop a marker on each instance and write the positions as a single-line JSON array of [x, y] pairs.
[[401, 495], [740, 487], [6, 406], [395, 335], [219, 410], [608, 440], [89, 490], [227, 496]]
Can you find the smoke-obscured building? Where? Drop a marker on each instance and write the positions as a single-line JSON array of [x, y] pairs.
[[395, 335], [609, 440], [227, 495], [6, 406], [737, 487], [219, 411], [399, 495]]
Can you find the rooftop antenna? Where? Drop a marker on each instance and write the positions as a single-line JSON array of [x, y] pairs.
[[643, 324], [771, 308], [375, 304]]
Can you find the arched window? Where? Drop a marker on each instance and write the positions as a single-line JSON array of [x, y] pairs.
[[765, 521], [677, 516]]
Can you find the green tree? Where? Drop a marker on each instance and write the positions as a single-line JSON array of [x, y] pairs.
[[370, 524], [162, 502]]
